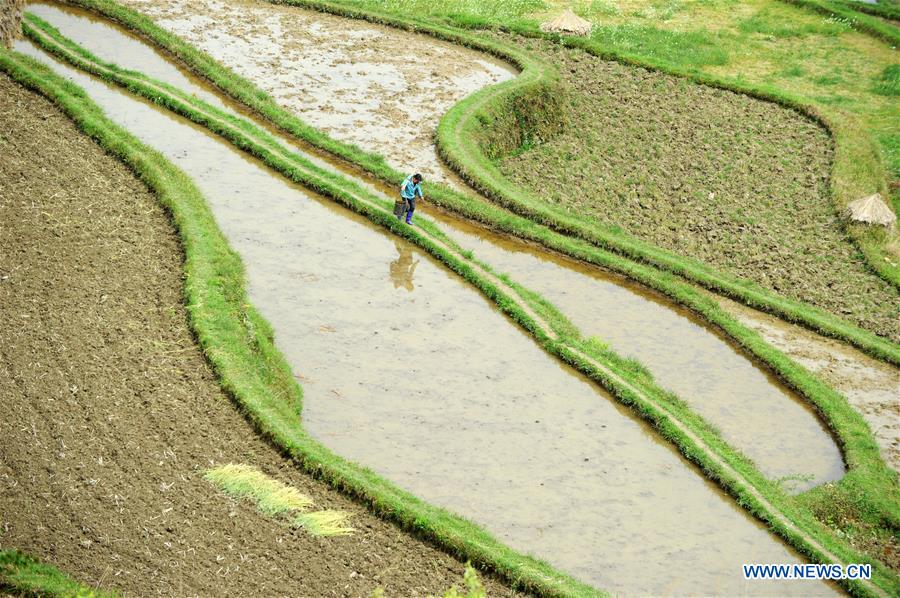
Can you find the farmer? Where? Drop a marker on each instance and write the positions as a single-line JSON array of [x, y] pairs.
[[411, 186]]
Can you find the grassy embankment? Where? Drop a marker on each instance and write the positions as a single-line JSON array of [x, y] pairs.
[[21, 575], [847, 506], [238, 343], [850, 105], [884, 10], [628, 381], [859, 16], [537, 85]]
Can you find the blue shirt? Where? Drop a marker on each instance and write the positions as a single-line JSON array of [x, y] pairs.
[[409, 189]]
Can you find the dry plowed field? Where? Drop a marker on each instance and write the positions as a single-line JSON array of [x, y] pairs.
[[730, 180]]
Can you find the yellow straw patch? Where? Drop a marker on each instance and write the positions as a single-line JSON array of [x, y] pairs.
[[274, 498], [325, 523]]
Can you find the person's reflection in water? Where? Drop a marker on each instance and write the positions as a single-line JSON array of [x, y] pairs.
[[403, 267]]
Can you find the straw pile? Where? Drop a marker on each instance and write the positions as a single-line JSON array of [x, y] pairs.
[[871, 210], [10, 21], [568, 22]]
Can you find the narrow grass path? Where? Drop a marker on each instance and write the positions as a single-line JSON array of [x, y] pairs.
[[693, 436], [498, 118], [239, 346]]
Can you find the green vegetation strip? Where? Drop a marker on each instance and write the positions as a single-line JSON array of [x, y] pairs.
[[628, 381], [21, 575], [850, 13], [857, 166], [879, 9], [239, 344], [497, 119], [273, 498]]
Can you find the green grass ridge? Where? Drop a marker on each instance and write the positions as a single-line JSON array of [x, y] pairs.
[[857, 168], [879, 9], [23, 575], [867, 472], [858, 15], [239, 344]]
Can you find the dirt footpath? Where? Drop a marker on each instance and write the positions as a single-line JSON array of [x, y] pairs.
[[111, 414]]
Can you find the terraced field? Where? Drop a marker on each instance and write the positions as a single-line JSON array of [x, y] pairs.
[[111, 413], [485, 385], [730, 180]]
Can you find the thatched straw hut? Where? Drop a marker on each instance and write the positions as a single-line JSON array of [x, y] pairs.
[[10, 21], [568, 23], [871, 210]]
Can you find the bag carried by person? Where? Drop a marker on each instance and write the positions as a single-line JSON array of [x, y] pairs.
[[401, 206]]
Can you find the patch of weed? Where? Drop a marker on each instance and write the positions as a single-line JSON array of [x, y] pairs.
[[793, 71], [694, 48], [598, 8], [888, 82], [273, 498], [23, 575], [659, 10]]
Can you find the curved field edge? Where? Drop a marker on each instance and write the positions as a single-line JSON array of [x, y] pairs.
[[857, 158], [630, 383], [857, 170], [239, 344], [858, 15], [870, 486], [24, 575], [880, 9]]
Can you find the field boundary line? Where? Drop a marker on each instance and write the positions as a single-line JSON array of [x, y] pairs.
[[660, 414], [239, 345]]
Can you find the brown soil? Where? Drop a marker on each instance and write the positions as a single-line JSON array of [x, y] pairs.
[[730, 180], [111, 414]]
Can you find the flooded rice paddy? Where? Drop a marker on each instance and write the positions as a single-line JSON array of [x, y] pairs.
[[719, 382], [409, 371], [379, 88]]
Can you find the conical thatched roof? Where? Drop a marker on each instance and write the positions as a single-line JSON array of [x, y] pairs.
[[567, 22], [871, 210]]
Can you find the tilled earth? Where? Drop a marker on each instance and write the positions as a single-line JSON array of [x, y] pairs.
[[733, 181], [111, 414]]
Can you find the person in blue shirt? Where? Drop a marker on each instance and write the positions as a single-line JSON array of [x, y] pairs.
[[409, 189]]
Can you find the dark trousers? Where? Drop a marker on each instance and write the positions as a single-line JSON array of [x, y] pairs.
[[405, 206]]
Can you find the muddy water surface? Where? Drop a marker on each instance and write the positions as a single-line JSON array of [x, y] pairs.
[[717, 380], [409, 371], [753, 410], [374, 86], [871, 386]]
